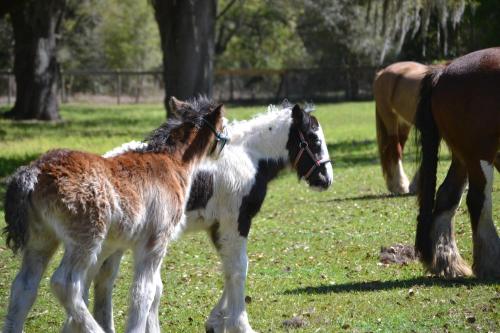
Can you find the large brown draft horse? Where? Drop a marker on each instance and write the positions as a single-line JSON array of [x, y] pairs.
[[461, 104], [396, 89]]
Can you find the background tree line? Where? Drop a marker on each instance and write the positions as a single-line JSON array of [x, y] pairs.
[[187, 39]]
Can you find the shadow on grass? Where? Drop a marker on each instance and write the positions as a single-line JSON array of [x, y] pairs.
[[369, 197], [388, 285]]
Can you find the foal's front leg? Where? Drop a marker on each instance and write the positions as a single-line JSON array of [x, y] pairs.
[[229, 315]]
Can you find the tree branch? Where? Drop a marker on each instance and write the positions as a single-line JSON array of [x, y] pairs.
[[225, 10]]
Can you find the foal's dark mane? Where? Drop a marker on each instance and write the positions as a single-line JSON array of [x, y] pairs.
[[192, 113]]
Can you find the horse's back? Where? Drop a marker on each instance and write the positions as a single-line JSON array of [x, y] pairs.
[[466, 102], [71, 185], [397, 86]]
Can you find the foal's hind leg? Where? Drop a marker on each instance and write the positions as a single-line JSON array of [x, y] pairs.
[[103, 289], [229, 315], [447, 260], [147, 264], [36, 256], [104, 271], [69, 283], [153, 324], [484, 234]]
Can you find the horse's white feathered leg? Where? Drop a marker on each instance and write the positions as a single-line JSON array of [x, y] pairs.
[[447, 260], [486, 240]]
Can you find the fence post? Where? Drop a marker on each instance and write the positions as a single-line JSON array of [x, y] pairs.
[[118, 86]]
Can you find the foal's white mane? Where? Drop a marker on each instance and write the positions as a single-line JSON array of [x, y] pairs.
[[265, 133], [243, 131]]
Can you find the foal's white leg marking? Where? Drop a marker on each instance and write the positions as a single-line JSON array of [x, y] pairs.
[[68, 284], [487, 242], [103, 286], [153, 324], [24, 288], [215, 320], [229, 315], [147, 265]]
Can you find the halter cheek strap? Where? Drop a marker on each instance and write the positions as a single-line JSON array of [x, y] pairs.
[[219, 136], [304, 146]]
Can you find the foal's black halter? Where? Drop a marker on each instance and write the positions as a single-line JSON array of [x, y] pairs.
[[304, 146], [220, 137]]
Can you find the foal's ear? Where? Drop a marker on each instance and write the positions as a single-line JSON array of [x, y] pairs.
[[298, 114], [176, 105], [216, 114]]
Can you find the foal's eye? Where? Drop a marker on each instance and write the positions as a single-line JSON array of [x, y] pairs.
[[317, 143]]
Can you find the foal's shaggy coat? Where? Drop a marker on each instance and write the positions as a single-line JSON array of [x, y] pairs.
[[96, 206], [227, 193]]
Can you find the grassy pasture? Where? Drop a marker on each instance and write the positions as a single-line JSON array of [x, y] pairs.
[[312, 255]]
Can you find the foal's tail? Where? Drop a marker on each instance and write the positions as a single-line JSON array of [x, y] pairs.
[[17, 204], [428, 139]]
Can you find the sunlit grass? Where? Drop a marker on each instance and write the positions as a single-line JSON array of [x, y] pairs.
[[312, 254]]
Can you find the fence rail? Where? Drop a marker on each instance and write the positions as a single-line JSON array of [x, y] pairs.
[[230, 85]]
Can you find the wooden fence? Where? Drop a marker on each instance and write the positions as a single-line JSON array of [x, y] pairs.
[[230, 85]]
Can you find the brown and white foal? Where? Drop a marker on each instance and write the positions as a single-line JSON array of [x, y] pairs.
[[96, 206]]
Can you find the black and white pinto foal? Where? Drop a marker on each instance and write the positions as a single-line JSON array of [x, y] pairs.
[[228, 192]]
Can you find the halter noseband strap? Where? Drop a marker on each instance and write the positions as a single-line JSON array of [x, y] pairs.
[[304, 146]]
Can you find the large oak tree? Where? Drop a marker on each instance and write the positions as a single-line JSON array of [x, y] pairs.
[[187, 32], [35, 25]]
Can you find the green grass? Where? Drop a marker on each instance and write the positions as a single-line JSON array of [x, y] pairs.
[[312, 254]]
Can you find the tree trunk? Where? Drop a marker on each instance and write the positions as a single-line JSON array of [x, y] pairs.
[[187, 31], [35, 24]]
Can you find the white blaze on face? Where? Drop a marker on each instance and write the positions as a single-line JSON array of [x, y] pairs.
[[325, 155]]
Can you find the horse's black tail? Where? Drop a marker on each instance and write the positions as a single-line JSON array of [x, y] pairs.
[[17, 202], [428, 140]]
